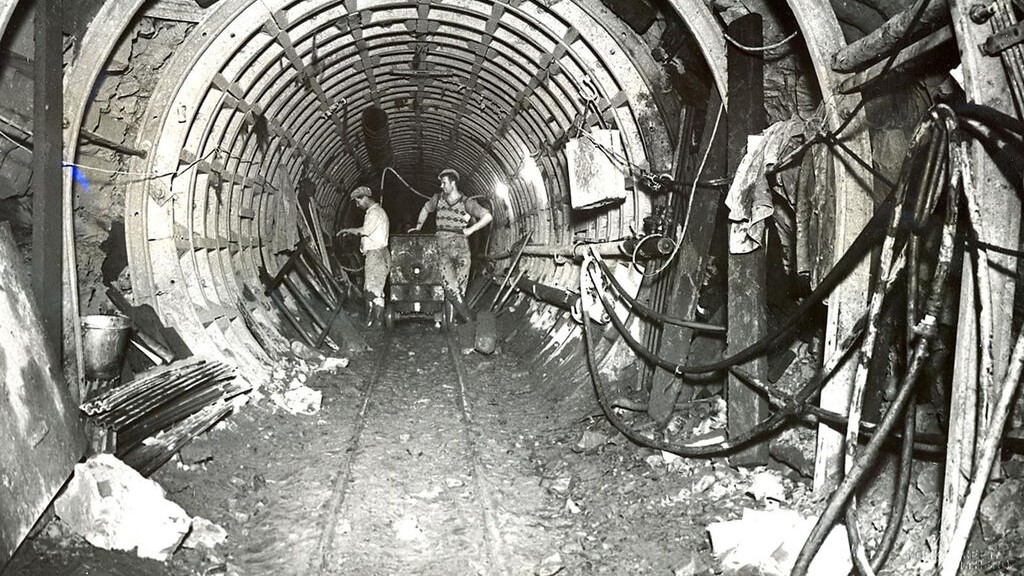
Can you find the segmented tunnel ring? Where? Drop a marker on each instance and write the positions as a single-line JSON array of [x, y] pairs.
[[481, 97], [265, 92]]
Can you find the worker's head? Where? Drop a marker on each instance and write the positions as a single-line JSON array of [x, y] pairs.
[[361, 195], [449, 178]]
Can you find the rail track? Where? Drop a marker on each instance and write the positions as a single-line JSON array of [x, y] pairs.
[[411, 493]]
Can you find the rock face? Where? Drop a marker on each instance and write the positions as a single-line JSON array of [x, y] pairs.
[[1001, 509], [113, 507]]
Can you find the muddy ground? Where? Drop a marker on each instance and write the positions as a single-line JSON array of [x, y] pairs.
[[410, 469]]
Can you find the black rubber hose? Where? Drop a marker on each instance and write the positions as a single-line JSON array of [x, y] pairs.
[[849, 484], [926, 199], [989, 115], [873, 231], [899, 500], [790, 405], [648, 312], [838, 500]]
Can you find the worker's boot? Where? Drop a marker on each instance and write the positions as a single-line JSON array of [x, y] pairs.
[[378, 317], [367, 312]]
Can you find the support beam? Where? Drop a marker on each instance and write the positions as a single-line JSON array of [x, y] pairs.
[[689, 269], [747, 303], [705, 29], [852, 189], [985, 83], [47, 241]]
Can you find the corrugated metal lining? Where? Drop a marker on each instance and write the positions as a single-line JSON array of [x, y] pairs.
[[267, 93]]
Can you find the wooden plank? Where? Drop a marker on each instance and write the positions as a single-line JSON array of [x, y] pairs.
[[692, 261], [47, 239], [853, 208], [39, 426], [747, 305], [985, 83]]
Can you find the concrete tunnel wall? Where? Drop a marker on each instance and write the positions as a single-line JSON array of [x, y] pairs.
[[495, 82]]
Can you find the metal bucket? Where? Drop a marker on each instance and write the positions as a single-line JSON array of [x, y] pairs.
[[104, 338]]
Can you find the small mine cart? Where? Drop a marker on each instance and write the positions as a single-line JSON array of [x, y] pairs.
[[416, 290]]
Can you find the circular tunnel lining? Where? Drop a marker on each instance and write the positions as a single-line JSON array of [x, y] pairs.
[[266, 98]]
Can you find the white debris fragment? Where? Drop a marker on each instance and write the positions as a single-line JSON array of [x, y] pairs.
[[767, 485], [590, 440], [331, 364], [768, 542], [551, 565], [113, 507], [298, 400], [205, 534]]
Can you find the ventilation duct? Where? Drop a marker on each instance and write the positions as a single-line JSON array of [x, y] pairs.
[[375, 134]]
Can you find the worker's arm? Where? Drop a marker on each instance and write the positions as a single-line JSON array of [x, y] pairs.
[[357, 231], [424, 212], [481, 223], [480, 214]]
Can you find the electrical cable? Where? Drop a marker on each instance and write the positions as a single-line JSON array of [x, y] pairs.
[[145, 175], [746, 48], [399, 176], [15, 142]]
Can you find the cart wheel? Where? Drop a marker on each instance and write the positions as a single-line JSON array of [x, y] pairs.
[[389, 319]]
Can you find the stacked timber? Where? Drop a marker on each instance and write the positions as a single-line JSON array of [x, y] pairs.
[[156, 414]]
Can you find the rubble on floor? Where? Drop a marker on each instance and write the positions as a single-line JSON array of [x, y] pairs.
[[113, 507], [767, 542]]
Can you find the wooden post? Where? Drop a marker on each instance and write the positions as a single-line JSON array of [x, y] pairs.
[[746, 278], [852, 187], [692, 260], [47, 239], [984, 82]]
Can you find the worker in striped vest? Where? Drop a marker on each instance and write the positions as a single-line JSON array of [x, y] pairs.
[[458, 218]]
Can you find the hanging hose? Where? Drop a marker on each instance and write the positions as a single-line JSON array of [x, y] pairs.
[[899, 500], [926, 330], [789, 406], [860, 247], [926, 199]]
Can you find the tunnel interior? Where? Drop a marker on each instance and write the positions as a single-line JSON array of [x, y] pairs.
[[671, 182], [322, 97]]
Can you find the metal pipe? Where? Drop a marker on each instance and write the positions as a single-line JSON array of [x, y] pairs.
[[614, 248], [549, 294]]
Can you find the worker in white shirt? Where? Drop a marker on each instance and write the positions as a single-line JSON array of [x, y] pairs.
[[373, 243]]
